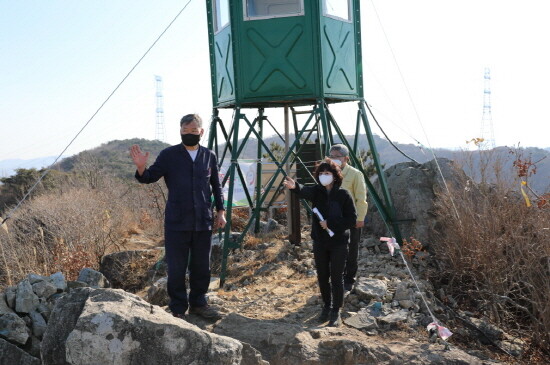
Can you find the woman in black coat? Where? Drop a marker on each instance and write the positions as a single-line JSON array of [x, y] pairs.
[[330, 251]]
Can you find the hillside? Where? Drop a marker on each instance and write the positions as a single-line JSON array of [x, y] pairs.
[[471, 161], [112, 158]]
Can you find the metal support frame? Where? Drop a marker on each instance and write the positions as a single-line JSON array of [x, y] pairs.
[[319, 119]]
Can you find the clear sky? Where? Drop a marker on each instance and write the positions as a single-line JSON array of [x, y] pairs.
[[59, 59]]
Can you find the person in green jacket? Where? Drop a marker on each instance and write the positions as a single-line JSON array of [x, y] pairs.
[[354, 183]]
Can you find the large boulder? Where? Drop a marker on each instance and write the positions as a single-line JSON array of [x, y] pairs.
[[413, 189], [128, 270], [110, 326], [25, 300], [368, 289], [287, 344], [157, 293], [12, 355], [63, 319], [93, 278], [266, 336], [13, 328]]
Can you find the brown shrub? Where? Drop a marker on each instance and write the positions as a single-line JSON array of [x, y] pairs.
[[494, 254], [73, 226]]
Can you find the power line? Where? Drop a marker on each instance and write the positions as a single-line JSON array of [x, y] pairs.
[[94, 114], [414, 108]]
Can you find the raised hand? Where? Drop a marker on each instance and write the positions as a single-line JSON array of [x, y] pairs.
[[139, 158], [289, 183]]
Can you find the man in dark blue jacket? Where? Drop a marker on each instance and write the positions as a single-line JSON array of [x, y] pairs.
[[190, 172]]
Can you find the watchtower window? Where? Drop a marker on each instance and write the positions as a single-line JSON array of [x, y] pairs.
[[337, 9], [263, 9], [221, 14]]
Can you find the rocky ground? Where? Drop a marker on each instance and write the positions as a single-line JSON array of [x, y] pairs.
[[270, 302], [271, 281]]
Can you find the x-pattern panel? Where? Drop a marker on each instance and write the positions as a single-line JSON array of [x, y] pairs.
[[341, 50], [276, 58]]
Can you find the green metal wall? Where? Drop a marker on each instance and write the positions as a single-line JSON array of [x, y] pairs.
[[285, 60], [338, 58]]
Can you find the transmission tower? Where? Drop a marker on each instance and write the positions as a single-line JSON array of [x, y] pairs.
[[487, 132], [160, 134]]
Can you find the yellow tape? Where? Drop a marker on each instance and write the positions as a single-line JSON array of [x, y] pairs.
[[527, 201]]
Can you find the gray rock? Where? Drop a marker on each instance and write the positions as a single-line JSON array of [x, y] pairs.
[[406, 304], [493, 332], [266, 336], [4, 308], [362, 321], [13, 328], [35, 278], [44, 288], [13, 355], [59, 281], [157, 293], [413, 188], [282, 345], [25, 300], [93, 278], [32, 347], [10, 296], [128, 269], [367, 289], [394, 318], [76, 284], [269, 226], [403, 292], [64, 315], [514, 346], [45, 309], [116, 327], [38, 324]]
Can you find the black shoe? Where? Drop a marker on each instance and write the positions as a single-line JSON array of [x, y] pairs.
[[205, 311], [334, 319], [348, 286], [180, 316], [323, 317]]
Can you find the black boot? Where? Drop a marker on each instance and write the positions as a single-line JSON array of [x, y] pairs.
[[323, 317], [334, 319]]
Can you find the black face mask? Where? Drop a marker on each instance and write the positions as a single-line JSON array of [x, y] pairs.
[[190, 140]]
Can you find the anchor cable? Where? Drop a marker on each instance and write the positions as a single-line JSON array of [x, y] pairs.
[[93, 116]]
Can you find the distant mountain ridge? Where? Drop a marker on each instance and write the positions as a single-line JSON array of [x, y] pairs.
[[113, 157], [8, 167]]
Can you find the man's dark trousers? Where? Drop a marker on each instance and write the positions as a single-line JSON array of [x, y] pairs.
[[353, 255], [179, 245]]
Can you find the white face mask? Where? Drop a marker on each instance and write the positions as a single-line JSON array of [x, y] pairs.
[[336, 161], [325, 179]]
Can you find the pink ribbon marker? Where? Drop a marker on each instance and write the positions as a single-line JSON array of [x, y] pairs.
[[443, 332], [391, 242]]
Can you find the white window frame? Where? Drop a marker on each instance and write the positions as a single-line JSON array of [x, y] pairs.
[[247, 18], [215, 15], [350, 12]]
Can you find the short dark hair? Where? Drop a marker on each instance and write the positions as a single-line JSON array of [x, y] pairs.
[[189, 118], [328, 165]]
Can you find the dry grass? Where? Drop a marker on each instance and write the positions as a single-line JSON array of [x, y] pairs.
[[73, 226], [494, 255]]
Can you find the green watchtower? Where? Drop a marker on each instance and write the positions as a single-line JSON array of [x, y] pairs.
[[284, 52], [266, 54]]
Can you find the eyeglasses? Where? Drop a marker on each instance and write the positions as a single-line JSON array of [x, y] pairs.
[[334, 156]]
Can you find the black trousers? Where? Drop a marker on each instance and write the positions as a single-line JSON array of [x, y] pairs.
[[329, 261], [353, 254], [187, 249]]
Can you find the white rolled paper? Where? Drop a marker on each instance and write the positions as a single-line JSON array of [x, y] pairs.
[[316, 211]]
